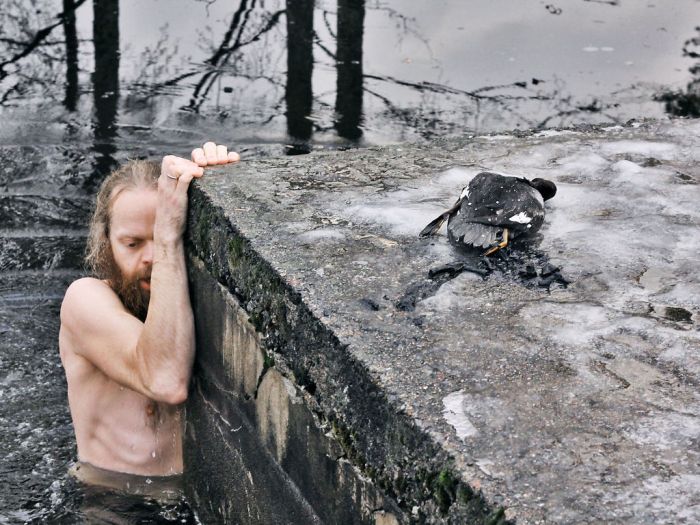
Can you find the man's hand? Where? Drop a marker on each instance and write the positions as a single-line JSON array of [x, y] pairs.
[[211, 154], [176, 175]]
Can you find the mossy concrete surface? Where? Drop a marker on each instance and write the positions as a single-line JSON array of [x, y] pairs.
[[508, 397], [255, 451]]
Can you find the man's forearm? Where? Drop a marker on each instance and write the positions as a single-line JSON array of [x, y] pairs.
[[165, 349]]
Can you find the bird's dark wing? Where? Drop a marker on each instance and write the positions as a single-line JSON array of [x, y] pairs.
[[434, 226]]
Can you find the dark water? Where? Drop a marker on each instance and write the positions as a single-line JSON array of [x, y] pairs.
[[85, 84]]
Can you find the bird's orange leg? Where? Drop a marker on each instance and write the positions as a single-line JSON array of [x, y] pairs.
[[500, 245]]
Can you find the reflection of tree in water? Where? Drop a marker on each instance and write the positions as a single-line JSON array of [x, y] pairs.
[[71, 34], [246, 58], [434, 114], [609, 2], [249, 24], [236, 37], [686, 104], [433, 109], [105, 79], [298, 91], [156, 62], [349, 43], [32, 60]]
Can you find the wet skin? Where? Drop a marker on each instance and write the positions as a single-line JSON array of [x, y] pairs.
[[126, 378]]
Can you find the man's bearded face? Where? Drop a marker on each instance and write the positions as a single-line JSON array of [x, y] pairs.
[[130, 290], [131, 245]]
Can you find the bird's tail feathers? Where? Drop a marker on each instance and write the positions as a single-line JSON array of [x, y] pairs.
[[475, 235]]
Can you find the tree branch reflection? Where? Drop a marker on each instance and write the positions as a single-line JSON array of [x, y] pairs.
[[680, 103], [36, 40]]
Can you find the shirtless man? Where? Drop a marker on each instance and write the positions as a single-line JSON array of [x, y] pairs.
[[127, 336]]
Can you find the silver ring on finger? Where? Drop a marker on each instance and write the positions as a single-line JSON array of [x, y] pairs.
[[171, 177]]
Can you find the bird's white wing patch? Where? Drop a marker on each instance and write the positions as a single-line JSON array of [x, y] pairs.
[[521, 217]]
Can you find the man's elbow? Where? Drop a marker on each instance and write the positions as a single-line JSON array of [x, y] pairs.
[[172, 393], [177, 397]]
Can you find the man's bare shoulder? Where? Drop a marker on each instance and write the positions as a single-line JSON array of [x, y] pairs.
[[86, 303], [84, 290], [87, 283], [96, 326]]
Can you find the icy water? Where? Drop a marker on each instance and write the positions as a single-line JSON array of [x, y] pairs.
[[87, 84]]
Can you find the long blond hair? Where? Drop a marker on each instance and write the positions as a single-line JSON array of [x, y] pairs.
[[131, 175]]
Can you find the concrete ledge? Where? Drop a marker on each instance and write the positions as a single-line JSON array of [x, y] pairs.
[[255, 450], [322, 395]]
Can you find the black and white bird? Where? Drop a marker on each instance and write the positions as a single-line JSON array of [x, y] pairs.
[[493, 210]]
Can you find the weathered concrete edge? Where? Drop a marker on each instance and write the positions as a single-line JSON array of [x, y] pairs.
[[282, 465], [376, 436]]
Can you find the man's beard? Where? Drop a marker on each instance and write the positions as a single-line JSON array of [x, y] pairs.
[[134, 298]]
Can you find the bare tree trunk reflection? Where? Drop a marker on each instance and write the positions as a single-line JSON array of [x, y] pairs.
[[71, 34], [300, 63], [106, 82], [222, 54], [232, 42], [348, 102]]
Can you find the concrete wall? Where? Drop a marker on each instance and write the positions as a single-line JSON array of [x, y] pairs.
[[255, 451]]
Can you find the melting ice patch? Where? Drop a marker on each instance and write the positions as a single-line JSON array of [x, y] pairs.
[[584, 163], [555, 133], [402, 218], [455, 415], [572, 324], [595, 49], [667, 431], [625, 217], [660, 150], [407, 211], [451, 294], [683, 490], [454, 177], [322, 234], [636, 175], [496, 137], [650, 502]]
